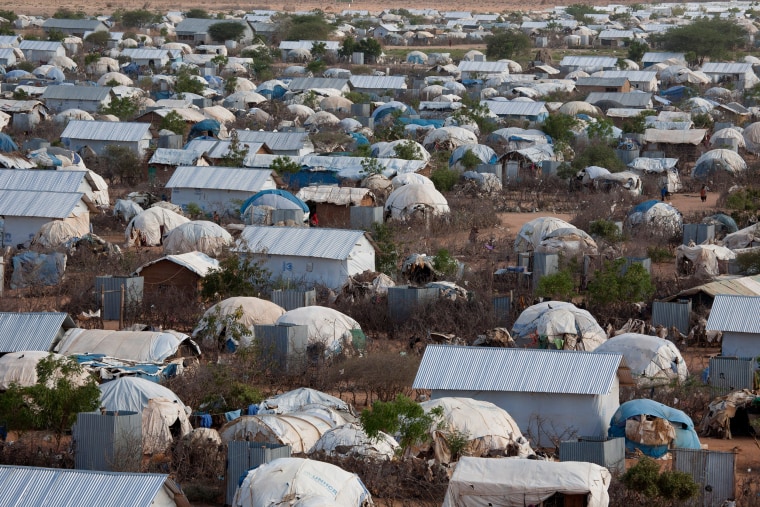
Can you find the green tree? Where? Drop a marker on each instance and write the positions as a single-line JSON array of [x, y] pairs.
[[402, 417], [558, 286], [122, 107], [99, 39], [284, 165], [236, 153], [580, 12], [613, 284], [122, 163], [749, 262], [386, 260], [507, 44], [197, 14], [226, 30], [318, 49], [599, 154], [370, 166], [636, 50], [186, 83], [606, 230], [601, 129], [316, 67], [262, 61], [236, 276], [444, 263], [64, 13], [637, 124], [645, 479], [704, 37], [54, 402], [444, 178], [469, 160], [137, 18], [9, 15], [55, 35], [174, 122], [370, 47], [315, 25], [347, 47], [407, 150], [560, 127]]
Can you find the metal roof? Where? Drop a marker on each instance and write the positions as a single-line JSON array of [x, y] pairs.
[[7, 52], [736, 314], [489, 67], [106, 131], [145, 53], [197, 262], [276, 141], [342, 196], [216, 149], [33, 203], [200, 25], [625, 99], [65, 92], [51, 181], [588, 61], [220, 178], [330, 45], [24, 486], [170, 156], [310, 83], [516, 370], [729, 285], [516, 108], [657, 57], [39, 45], [300, 241], [73, 24], [11, 40], [616, 34], [643, 76], [726, 68], [31, 331], [378, 82], [601, 81]]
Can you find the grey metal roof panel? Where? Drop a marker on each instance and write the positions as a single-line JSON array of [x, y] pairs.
[[737, 314], [330, 45], [657, 57], [170, 156], [23, 486], [515, 108], [466, 66], [516, 370], [378, 82], [726, 68], [309, 83], [277, 141], [40, 45], [588, 61], [145, 53], [66, 92], [219, 178], [33, 203], [601, 81], [31, 331], [631, 75], [300, 241], [39, 180], [199, 25], [629, 99], [106, 131], [73, 24]]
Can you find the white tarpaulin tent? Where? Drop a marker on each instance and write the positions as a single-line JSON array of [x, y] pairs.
[[549, 234], [559, 325], [255, 312], [291, 481], [197, 236], [126, 209], [54, 234], [351, 440], [148, 227], [158, 418], [714, 160], [139, 346], [704, 258], [652, 360], [21, 368], [326, 326], [478, 482], [299, 430], [743, 238], [488, 428], [406, 200], [297, 399], [656, 216]]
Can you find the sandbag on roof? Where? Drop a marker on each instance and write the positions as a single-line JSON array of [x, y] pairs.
[[255, 311], [488, 429], [21, 368], [652, 360], [300, 431], [556, 324], [520, 482], [197, 236], [138, 346], [147, 227], [652, 436], [297, 399], [406, 200], [325, 326], [312, 483], [351, 440]]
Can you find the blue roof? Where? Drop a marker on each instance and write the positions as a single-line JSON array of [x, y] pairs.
[[6, 143], [270, 197], [644, 206], [390, 107], [686, 437], [207, 125]]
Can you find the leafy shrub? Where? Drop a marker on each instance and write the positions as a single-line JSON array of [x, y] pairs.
[[445, 263], [559, 286], [444, 179], [659, 254], [645, 478], [605, 229]]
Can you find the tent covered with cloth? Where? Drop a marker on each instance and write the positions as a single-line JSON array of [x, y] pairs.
[[252, 312], [553, 235], [139, 346], [351, 440], [478, 482], [652, 360], [299, 430], [557, 324], [326, 326], [655, 214]]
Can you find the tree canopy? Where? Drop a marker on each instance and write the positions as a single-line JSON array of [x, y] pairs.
[[197, 14], [506, 44], [226, 30], [315, 25], [138, 18], [704, 37]]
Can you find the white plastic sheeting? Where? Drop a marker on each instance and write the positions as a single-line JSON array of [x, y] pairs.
[[451, 137], [255, 311], [126, 209], [388, 149], [488, 428], [743, 238], [147, 227], [297, 399], [407, 200], [486, 181], [351, 440], [139, 346], [652, 360], [714, 160], [303, 482], [325, 325], [704, 258], [552, 235], [54, 234], [411, 179], [158, 417], [660, 216], [558, 323], [197, 236], [477, 482], [21, 368], [300, 430]]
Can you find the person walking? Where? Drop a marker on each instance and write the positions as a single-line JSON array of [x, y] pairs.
[[703, 193], [664, 192]]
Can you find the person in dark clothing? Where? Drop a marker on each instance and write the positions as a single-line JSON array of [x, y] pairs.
[[664, 192], [703, 193]]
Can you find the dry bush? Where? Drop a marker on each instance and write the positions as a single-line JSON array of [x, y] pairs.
[[33, 449], [594, 206], [465, 319], [198, 462], [690, 396]]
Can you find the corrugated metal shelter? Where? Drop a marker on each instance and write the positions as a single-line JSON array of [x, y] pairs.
[[736, 317], [245, 456], [98, 135], [217, 188], [403, 300], [483, 70], [606, 452], [32, 331], [574, 393], [41, 51], [324, 83], [148, 57], [713, 471], [670, 314], [731, 373], [632, 99], [118, 293], [76, 27], [587, 63], [284, 347], [308, 256], [107, 441], [86, 98], [183, 272], [333, 204], [728, 284], [292, 299], [25, 486], [281, 143], [378, 85], [532, 111]]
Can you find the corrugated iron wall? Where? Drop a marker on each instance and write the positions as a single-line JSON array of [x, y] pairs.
[[365, 217], [501, 307], [292, 299], [606, 452], [672, 314], [403, 300], [109, 442], [108, 292], [244, 456], [283, 346], [731, 374], [714, 472]]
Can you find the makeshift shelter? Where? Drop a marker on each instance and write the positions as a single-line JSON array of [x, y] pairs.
[[743, 238], [657, 216], [727, 137], [518, 482], [254, 311], [652, 360], [55, 234], [653, 428], [298, 430], [257, 209], [139, 346], [702, 261], [723, 223], [299, 399], [409, 179], [21, 368], [311, 483], [182, 273], [484, 154], [149, 227], [164, 416], [549, 234], [449, 138], [408, 200], [731, 415], [352, 440], [197, 236], [490, 430], [717, 160], [333, 204], [557, 324], [327, 327]]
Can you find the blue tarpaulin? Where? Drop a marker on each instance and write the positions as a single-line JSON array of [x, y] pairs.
[[421, 122], [276, 198], [391, 107], [686, 437], [203, 128], [6, 143], [32, 268], [644, 206], [360, 139]]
